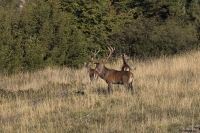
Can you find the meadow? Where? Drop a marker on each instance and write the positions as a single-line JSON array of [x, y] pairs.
[[166, 99]]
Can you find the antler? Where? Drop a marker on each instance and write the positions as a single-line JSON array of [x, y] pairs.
[[111, 50], [94, 55]]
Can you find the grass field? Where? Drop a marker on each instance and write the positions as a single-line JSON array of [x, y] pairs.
[[166, 99]]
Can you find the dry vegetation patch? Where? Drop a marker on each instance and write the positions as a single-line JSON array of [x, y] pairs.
[[166, 99]]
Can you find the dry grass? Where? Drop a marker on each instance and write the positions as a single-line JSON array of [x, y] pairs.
[[166, 99]]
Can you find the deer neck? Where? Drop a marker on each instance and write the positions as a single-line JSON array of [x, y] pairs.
[[124, 60], [103, 72], [89, 69]]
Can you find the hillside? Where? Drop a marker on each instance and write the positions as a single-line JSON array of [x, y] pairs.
[[35, 34], [166, 99]]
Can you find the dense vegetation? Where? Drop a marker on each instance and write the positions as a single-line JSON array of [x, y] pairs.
[[64, 32]]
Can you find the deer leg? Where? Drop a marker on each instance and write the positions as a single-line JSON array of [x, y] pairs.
[[110, 90], [131, 87], [126, 86], [91, 78]]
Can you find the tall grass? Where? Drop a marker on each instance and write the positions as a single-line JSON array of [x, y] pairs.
[[166, 99]]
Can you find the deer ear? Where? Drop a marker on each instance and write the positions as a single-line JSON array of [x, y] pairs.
[[85, 63]]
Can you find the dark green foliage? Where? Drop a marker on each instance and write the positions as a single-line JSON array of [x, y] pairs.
[[155, 38], [158, 27], [64, 32]]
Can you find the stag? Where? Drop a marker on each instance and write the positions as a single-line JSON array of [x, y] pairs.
[[112, 76], [93, 74]]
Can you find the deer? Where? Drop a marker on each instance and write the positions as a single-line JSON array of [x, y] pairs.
[[93, 74], [112, 76], [125, 66]]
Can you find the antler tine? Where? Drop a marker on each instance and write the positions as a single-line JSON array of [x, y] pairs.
[[94, 55], [111, 50], [91, 58]]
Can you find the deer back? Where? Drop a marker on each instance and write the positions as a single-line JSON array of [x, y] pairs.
[[114, 76], [119, 77]]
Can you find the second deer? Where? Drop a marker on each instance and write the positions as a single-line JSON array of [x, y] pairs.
[[93, 74], [125, 66]]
